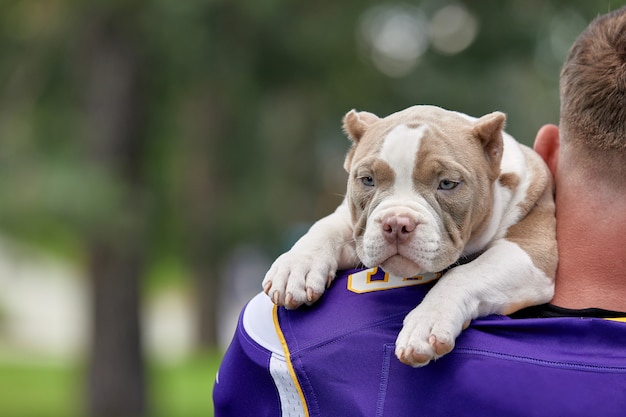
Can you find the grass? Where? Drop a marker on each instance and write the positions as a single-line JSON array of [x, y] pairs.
[[43, 390], [55, 390], [184, 390]]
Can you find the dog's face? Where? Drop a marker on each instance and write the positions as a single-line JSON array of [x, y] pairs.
[[420, 185]]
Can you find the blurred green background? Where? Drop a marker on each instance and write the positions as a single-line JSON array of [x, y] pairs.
[[155, 156]]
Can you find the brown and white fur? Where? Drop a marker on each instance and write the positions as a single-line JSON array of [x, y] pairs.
[[426, 188]]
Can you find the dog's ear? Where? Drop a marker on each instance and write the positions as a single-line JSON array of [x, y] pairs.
[[355, 124], [489, 130]]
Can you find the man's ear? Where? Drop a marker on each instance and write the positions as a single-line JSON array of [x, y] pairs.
[[547, 143], [355, 124]]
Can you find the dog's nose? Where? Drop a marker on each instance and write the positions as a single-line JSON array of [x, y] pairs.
[[398, 228]]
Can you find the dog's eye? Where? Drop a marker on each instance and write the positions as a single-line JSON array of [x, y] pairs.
[[447, 184], [367, 181]]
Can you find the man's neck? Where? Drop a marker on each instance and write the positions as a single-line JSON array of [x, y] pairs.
[[591, 233]]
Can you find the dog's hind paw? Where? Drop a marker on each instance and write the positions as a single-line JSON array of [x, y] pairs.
[[295, 279]]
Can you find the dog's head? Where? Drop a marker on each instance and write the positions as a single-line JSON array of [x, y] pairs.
[[420, 185]]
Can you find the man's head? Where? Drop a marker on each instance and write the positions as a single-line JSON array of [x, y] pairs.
[[593, 100], [587, 156]]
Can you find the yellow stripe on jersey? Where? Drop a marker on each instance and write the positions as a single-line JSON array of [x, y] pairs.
[[622, 319], [283, 342]]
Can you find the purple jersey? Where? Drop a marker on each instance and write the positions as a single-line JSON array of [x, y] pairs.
[[336, 358]]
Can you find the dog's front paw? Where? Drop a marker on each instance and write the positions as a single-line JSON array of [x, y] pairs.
[[426, 335], [297, 278]]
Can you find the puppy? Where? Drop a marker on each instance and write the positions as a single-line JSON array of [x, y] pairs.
[[427, 188]]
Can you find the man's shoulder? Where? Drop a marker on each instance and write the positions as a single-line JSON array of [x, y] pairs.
[[497, 363]]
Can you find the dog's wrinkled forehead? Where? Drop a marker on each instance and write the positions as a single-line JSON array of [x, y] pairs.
[[398, 137]]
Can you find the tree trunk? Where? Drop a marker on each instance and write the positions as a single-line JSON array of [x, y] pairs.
[[205, 123], [116, 244], [116, 383], [207, 286]]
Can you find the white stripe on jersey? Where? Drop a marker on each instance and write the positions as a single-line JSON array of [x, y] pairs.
[[290, 402]]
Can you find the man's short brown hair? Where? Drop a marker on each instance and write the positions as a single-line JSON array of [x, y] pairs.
[[593, 89]]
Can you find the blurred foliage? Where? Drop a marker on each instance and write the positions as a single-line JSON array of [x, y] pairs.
[[245, 100]]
